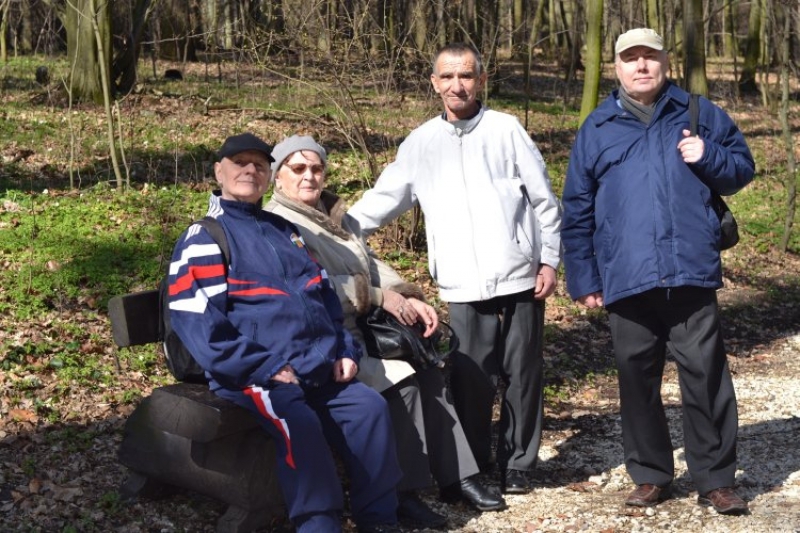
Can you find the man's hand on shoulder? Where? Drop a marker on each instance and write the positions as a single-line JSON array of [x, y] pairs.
[[545, 282]]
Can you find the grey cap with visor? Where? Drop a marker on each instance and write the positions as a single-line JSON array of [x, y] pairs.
[[296, 143]]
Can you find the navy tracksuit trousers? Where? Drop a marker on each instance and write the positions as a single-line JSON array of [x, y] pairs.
[[354, 420]]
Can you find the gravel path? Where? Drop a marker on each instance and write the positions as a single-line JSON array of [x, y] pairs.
[[581, 482]]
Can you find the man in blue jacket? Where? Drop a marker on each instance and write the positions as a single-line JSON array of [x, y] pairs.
[[640, 238], [267, 329]]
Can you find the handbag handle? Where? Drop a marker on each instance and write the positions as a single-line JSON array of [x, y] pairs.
[[453, 343]]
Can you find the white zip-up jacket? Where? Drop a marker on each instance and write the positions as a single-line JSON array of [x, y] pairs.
[[491, 217]]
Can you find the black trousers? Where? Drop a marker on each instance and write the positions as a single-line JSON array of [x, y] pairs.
[[501, 341], [685, 319]]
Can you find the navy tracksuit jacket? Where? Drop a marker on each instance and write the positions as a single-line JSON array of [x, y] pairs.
[[271, 307]]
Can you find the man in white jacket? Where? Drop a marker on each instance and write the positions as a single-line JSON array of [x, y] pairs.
[[493, 231]]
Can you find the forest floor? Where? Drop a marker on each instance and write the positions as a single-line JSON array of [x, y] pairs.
[[59, 470], [579, 485]]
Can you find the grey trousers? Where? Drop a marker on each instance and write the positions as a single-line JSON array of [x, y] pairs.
[[430, 439], [501, 341], [685, 319]]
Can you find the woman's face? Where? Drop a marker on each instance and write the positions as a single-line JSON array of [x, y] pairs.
[[302, 177], [243, 177]]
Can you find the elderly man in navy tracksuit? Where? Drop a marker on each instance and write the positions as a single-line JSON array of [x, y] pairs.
[[267, 329]]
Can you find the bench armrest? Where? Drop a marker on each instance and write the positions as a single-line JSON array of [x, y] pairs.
[[135, 318]]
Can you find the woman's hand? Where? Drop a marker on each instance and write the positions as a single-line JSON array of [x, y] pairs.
[[425, 314], [396, 304], [407, 311]]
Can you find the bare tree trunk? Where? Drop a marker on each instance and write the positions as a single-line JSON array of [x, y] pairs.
[[4, 29], [419, 24], [227, 21], [729, 23], [440, 31], [694, 51], [747, 80], [653, 16], [533, 40], [594, 55], [124, 66], [22, 28], [766, 54], [82, 48], [518, 25], [791, 167], [102, 42], [536, 26]]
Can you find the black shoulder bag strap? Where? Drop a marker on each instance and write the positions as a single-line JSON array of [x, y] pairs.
[[694, 113], [214, 228], [728, 226]]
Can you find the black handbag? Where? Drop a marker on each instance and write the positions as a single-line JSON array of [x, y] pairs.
[[386, 338], [728, 228]]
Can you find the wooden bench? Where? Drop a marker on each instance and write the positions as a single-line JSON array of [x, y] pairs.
[[184, 436]]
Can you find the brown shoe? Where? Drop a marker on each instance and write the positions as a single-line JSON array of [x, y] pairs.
[[647, 495], [724, 501]]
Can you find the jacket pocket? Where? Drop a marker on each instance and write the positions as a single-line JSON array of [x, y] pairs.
[[526, 227]]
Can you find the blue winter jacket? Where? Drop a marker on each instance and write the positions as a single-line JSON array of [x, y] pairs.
[[272, 306], [636, 216]]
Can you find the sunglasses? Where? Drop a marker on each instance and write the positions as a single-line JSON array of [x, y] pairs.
[[300, 169]]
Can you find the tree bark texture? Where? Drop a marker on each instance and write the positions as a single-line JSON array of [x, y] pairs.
[[792, 176], [694, 50], [82, 50], [747, 80], [594, 54]]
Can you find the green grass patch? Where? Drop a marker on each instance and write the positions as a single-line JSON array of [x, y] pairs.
[[90, 245]]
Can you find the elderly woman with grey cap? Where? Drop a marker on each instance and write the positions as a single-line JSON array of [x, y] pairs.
[[429, 435]]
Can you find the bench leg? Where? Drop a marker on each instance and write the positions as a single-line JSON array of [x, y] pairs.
[[139, 485], [239, 520]]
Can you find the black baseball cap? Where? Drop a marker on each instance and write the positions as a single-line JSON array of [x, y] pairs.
[[242, 143]]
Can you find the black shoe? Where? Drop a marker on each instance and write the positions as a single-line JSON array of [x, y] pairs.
[[470, 491], [379, 528], [514, 482], [415, 514]]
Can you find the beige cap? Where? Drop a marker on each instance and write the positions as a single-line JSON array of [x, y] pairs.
[[639, 37]]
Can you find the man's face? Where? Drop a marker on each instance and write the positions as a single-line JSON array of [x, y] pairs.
[[243, 177], [642, 72], [457, 81]]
